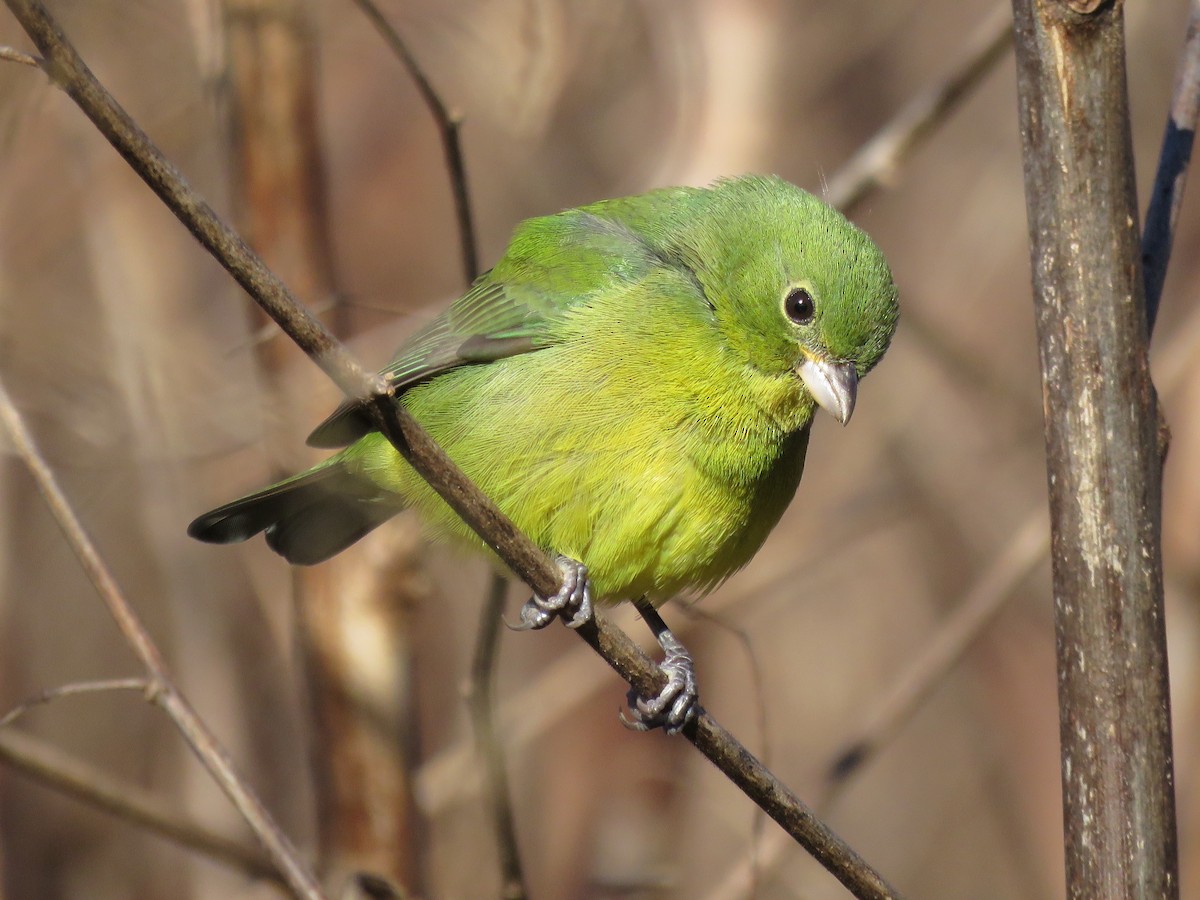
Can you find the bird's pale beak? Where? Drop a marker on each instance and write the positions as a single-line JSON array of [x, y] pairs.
[[834, 385]]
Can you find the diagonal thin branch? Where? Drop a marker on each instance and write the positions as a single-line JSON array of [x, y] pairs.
[[161, 690], [875, 164], [68, 71], [971, 615], [61, 771]]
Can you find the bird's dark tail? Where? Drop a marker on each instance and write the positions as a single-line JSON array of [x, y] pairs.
[[307, 518]]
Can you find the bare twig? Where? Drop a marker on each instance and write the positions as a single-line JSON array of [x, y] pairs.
[[71, 690], [12, 54], [1102, 450], [448, 123], [479, 695], [59, 770], [1166, 197], [877, 161], [523, 557], [162, 690]]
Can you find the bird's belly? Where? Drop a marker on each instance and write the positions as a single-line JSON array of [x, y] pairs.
[[663, 525]]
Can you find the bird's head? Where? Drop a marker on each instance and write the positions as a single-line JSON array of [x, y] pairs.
[[797, 289]]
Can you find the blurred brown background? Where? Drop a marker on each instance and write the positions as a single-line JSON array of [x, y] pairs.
[[134, 360]]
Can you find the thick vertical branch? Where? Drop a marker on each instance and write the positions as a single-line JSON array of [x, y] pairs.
[[1102, 457]]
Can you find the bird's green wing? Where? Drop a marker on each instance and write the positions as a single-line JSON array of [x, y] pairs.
[[486, 324], [553, 264]]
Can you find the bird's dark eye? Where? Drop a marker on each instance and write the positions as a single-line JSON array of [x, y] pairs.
[[799, 306]]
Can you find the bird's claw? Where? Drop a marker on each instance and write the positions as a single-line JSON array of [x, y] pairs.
[[677, 703], [532, 618], [573, 602]]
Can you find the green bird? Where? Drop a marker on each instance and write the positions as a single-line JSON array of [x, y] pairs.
[[633, 384]]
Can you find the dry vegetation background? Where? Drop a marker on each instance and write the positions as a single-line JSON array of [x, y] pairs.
[[133, 358]]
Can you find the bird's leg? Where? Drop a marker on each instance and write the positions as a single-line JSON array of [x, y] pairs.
[[676, 704], [573, 602]]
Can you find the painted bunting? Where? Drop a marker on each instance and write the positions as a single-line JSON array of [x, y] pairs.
[[632, 383]]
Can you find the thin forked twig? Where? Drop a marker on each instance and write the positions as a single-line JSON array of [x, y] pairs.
[[528, 561], [448, 123], [160, 690], [70, 690], [53, 767]]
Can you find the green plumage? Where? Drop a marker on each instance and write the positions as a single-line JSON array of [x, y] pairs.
[[626, 384]]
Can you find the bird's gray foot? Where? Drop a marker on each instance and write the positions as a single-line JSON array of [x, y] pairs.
[[573, 602], [677, 703]]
